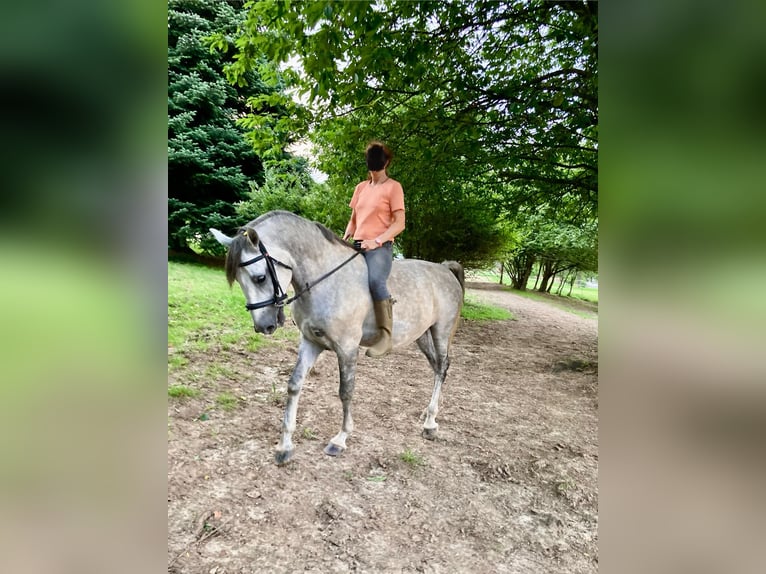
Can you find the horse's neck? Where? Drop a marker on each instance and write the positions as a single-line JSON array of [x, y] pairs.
[[308, 252]]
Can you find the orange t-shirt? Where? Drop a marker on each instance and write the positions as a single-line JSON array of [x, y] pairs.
[[374, 207]]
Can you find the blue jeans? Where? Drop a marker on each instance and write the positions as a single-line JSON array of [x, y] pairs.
[[378, 269]]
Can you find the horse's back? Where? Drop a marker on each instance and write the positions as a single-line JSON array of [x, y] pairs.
[[418, 273], [424, 285]]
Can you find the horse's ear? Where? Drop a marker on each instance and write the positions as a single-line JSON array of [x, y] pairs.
[[251, 235], [222, 238]]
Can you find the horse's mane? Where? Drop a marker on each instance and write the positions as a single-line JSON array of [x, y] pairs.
[[243, 238], [331, 236], [246, 237], [328, 234]]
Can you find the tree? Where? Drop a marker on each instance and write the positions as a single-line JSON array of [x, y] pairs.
[[210, 161], [288, 184], [556, 247], [499, 97]]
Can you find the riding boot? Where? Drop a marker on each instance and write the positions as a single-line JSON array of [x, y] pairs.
[[385, 320]]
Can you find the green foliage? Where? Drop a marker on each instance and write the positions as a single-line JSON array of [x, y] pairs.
[[491, 107], [210, 161], [554, 245], [288, 185]]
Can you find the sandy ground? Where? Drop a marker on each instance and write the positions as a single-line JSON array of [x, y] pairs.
[[510, 485]]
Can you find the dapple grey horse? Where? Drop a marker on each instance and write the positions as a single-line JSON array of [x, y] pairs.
[[333, 309]]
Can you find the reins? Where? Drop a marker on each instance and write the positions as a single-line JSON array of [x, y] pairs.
[[280, 298]]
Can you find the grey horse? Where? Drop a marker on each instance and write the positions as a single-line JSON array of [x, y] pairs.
[[333, 309]]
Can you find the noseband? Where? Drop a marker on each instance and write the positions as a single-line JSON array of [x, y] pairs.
[[280, 297]]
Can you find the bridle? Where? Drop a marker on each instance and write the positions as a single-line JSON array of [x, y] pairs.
[[280, 298]]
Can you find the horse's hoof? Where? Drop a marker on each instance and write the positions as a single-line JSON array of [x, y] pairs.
[[283, 456], [429, 434], [333, 449]]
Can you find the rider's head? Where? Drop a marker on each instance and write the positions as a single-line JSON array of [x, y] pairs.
[[377, 155]]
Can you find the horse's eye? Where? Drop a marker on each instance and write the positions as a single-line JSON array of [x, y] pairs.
[[259, 278]]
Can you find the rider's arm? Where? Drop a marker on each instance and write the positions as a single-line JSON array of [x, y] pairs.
[[351, 227], [396, 227]]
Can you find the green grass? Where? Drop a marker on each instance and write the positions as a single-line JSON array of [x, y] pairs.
[[491, 276], [584, 293], [219, 371], [411, 458], [182, 391], [227, 401], [176, 362], [556, 301], [474, 310], [377, 478], [204, 311]]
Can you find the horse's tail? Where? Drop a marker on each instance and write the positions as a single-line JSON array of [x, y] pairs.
[[457, 271]]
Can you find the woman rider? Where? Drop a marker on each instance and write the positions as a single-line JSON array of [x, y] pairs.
[[377, 217]]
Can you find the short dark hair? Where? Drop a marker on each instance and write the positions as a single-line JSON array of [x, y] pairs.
[[376, 155]]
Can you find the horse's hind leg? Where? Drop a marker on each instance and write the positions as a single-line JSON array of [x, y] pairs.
[[435, 346], [347, 367], [308, 353]]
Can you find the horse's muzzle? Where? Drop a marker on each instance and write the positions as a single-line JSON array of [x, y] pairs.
[[278, 320], [268, 330]]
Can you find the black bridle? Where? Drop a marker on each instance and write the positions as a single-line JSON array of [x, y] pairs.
[[280, 298], [279, 295]]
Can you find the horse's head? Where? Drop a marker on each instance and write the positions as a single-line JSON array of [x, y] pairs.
[[259, 274]]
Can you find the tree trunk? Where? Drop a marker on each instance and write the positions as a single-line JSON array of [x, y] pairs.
[[539, 268], [502, 265], [519, 270], [572, 282], [548, 273]]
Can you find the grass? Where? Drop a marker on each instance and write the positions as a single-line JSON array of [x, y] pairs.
[[557, 301], [474, 310], [492, 276], [377, 478], [584, 293], [275, 396], [218, 371], [182, 391], [203, 311], [411, 458], [176, 362], [309, 433], [227, 401]]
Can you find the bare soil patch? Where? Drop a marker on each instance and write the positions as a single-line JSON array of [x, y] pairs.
[[509, 486]]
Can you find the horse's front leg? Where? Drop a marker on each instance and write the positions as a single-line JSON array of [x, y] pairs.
[[308, 353], [347, 366]]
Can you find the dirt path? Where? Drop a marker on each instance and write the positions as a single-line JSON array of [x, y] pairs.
[[509, 486]]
